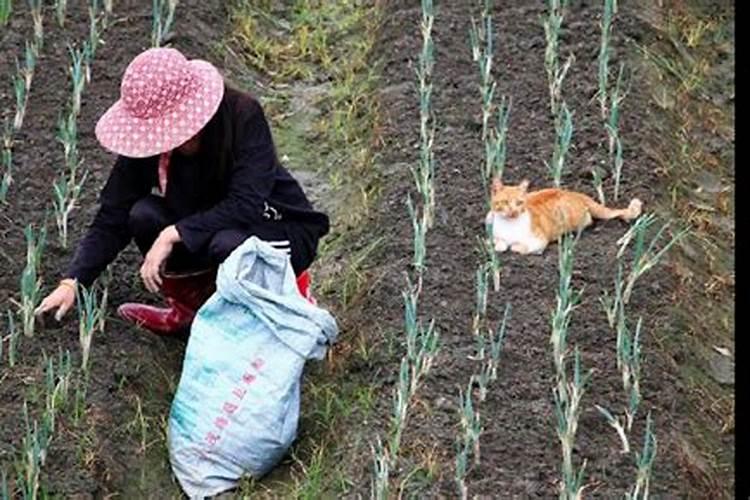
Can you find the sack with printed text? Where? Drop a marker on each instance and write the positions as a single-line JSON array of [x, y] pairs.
[[237, 404]]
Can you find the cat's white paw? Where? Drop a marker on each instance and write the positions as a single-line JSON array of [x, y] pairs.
[[500, 246], [520, 248]]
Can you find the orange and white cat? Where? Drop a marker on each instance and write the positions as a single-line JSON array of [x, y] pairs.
[[526, 222]]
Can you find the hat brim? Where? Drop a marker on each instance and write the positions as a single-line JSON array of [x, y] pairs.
[[124, 134]]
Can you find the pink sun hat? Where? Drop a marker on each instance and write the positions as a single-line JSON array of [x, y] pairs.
[[165, 99]]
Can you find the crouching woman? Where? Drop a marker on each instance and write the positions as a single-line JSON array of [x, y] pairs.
[[195, 176]]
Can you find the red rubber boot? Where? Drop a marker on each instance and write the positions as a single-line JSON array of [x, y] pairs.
[[303, 285], [184, 295]]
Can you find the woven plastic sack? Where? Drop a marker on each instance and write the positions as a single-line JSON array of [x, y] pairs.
[[237, 404]]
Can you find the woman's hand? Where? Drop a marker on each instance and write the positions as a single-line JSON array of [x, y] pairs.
[[157, 256], [62, 299]]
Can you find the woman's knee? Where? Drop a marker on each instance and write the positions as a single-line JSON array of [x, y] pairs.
[[147, 216], [224, 242]]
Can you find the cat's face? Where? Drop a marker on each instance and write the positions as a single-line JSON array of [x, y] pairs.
[[509, 201]]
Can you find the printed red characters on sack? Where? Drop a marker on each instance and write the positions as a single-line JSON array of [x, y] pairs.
[[221, 422], [212, 438], [229, 408]]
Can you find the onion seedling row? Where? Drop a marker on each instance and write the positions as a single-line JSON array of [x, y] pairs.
[[628, 344], [555, 74], [424, 174], [567, 393], [39, 433], [422, 342], [567, 300], [21, 88], [69, 183], [493, 137], [482, 55], [422, 346]]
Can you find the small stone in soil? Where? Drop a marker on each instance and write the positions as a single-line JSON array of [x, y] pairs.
[[721, 368], [442, 403]]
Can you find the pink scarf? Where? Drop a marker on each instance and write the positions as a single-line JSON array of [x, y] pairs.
[[163, 169]]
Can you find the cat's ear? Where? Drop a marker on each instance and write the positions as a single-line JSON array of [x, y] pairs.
[[524, 185], [497, 184]]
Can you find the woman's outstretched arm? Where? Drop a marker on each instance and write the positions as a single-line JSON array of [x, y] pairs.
[[109, 233]]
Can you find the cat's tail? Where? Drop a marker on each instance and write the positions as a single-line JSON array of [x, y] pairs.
[[599, 211]]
